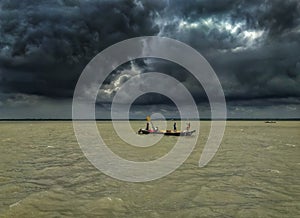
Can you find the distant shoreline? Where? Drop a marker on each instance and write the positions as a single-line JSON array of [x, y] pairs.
[[169, 119]]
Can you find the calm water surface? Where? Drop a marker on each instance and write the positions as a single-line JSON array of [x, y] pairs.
[[255, 173]]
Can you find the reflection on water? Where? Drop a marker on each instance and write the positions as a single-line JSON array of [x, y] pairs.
[[255, 173]]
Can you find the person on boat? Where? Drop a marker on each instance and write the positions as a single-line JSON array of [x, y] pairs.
[[174, 126], [147, 126], [188, 126]]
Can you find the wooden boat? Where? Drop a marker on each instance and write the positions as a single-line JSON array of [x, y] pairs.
[[270, 121], [167, 132], [155, 130]]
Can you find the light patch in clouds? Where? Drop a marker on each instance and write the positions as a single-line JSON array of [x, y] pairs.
[[187, 25], [107, 91], [253, 39], [244, 37], [139, 4], [247, 38]]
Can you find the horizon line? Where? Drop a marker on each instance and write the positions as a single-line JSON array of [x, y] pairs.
[[138, 119]]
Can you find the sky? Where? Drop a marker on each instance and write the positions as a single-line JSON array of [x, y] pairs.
[[253, 46]]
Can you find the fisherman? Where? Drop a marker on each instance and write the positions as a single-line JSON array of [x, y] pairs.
[[174, 126], [188, 126]]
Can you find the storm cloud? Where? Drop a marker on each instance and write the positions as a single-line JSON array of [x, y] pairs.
[[253, 46]]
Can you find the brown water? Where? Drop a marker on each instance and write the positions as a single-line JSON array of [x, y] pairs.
[[255, 173]]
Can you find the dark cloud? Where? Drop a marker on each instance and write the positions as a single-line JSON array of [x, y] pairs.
[[51, 41], [269, 71], [280, 16], [253, 46]]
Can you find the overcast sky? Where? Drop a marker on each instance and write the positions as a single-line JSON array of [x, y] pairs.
[[253, 46]]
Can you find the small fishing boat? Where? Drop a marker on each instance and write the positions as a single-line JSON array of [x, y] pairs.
[[167, 132], [270, 121], [173, 132]]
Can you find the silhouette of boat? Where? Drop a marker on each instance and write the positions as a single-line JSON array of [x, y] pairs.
[[174, 132], [270, 121], [167, 132]]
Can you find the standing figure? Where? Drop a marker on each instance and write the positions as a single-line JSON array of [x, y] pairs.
[[147, 126], [174, 126], [188, 126]]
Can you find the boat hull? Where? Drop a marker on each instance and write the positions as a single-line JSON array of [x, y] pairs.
[[167, 132]]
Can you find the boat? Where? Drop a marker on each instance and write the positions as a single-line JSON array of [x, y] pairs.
[[270, 121], [166, 132], [173, 132]]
